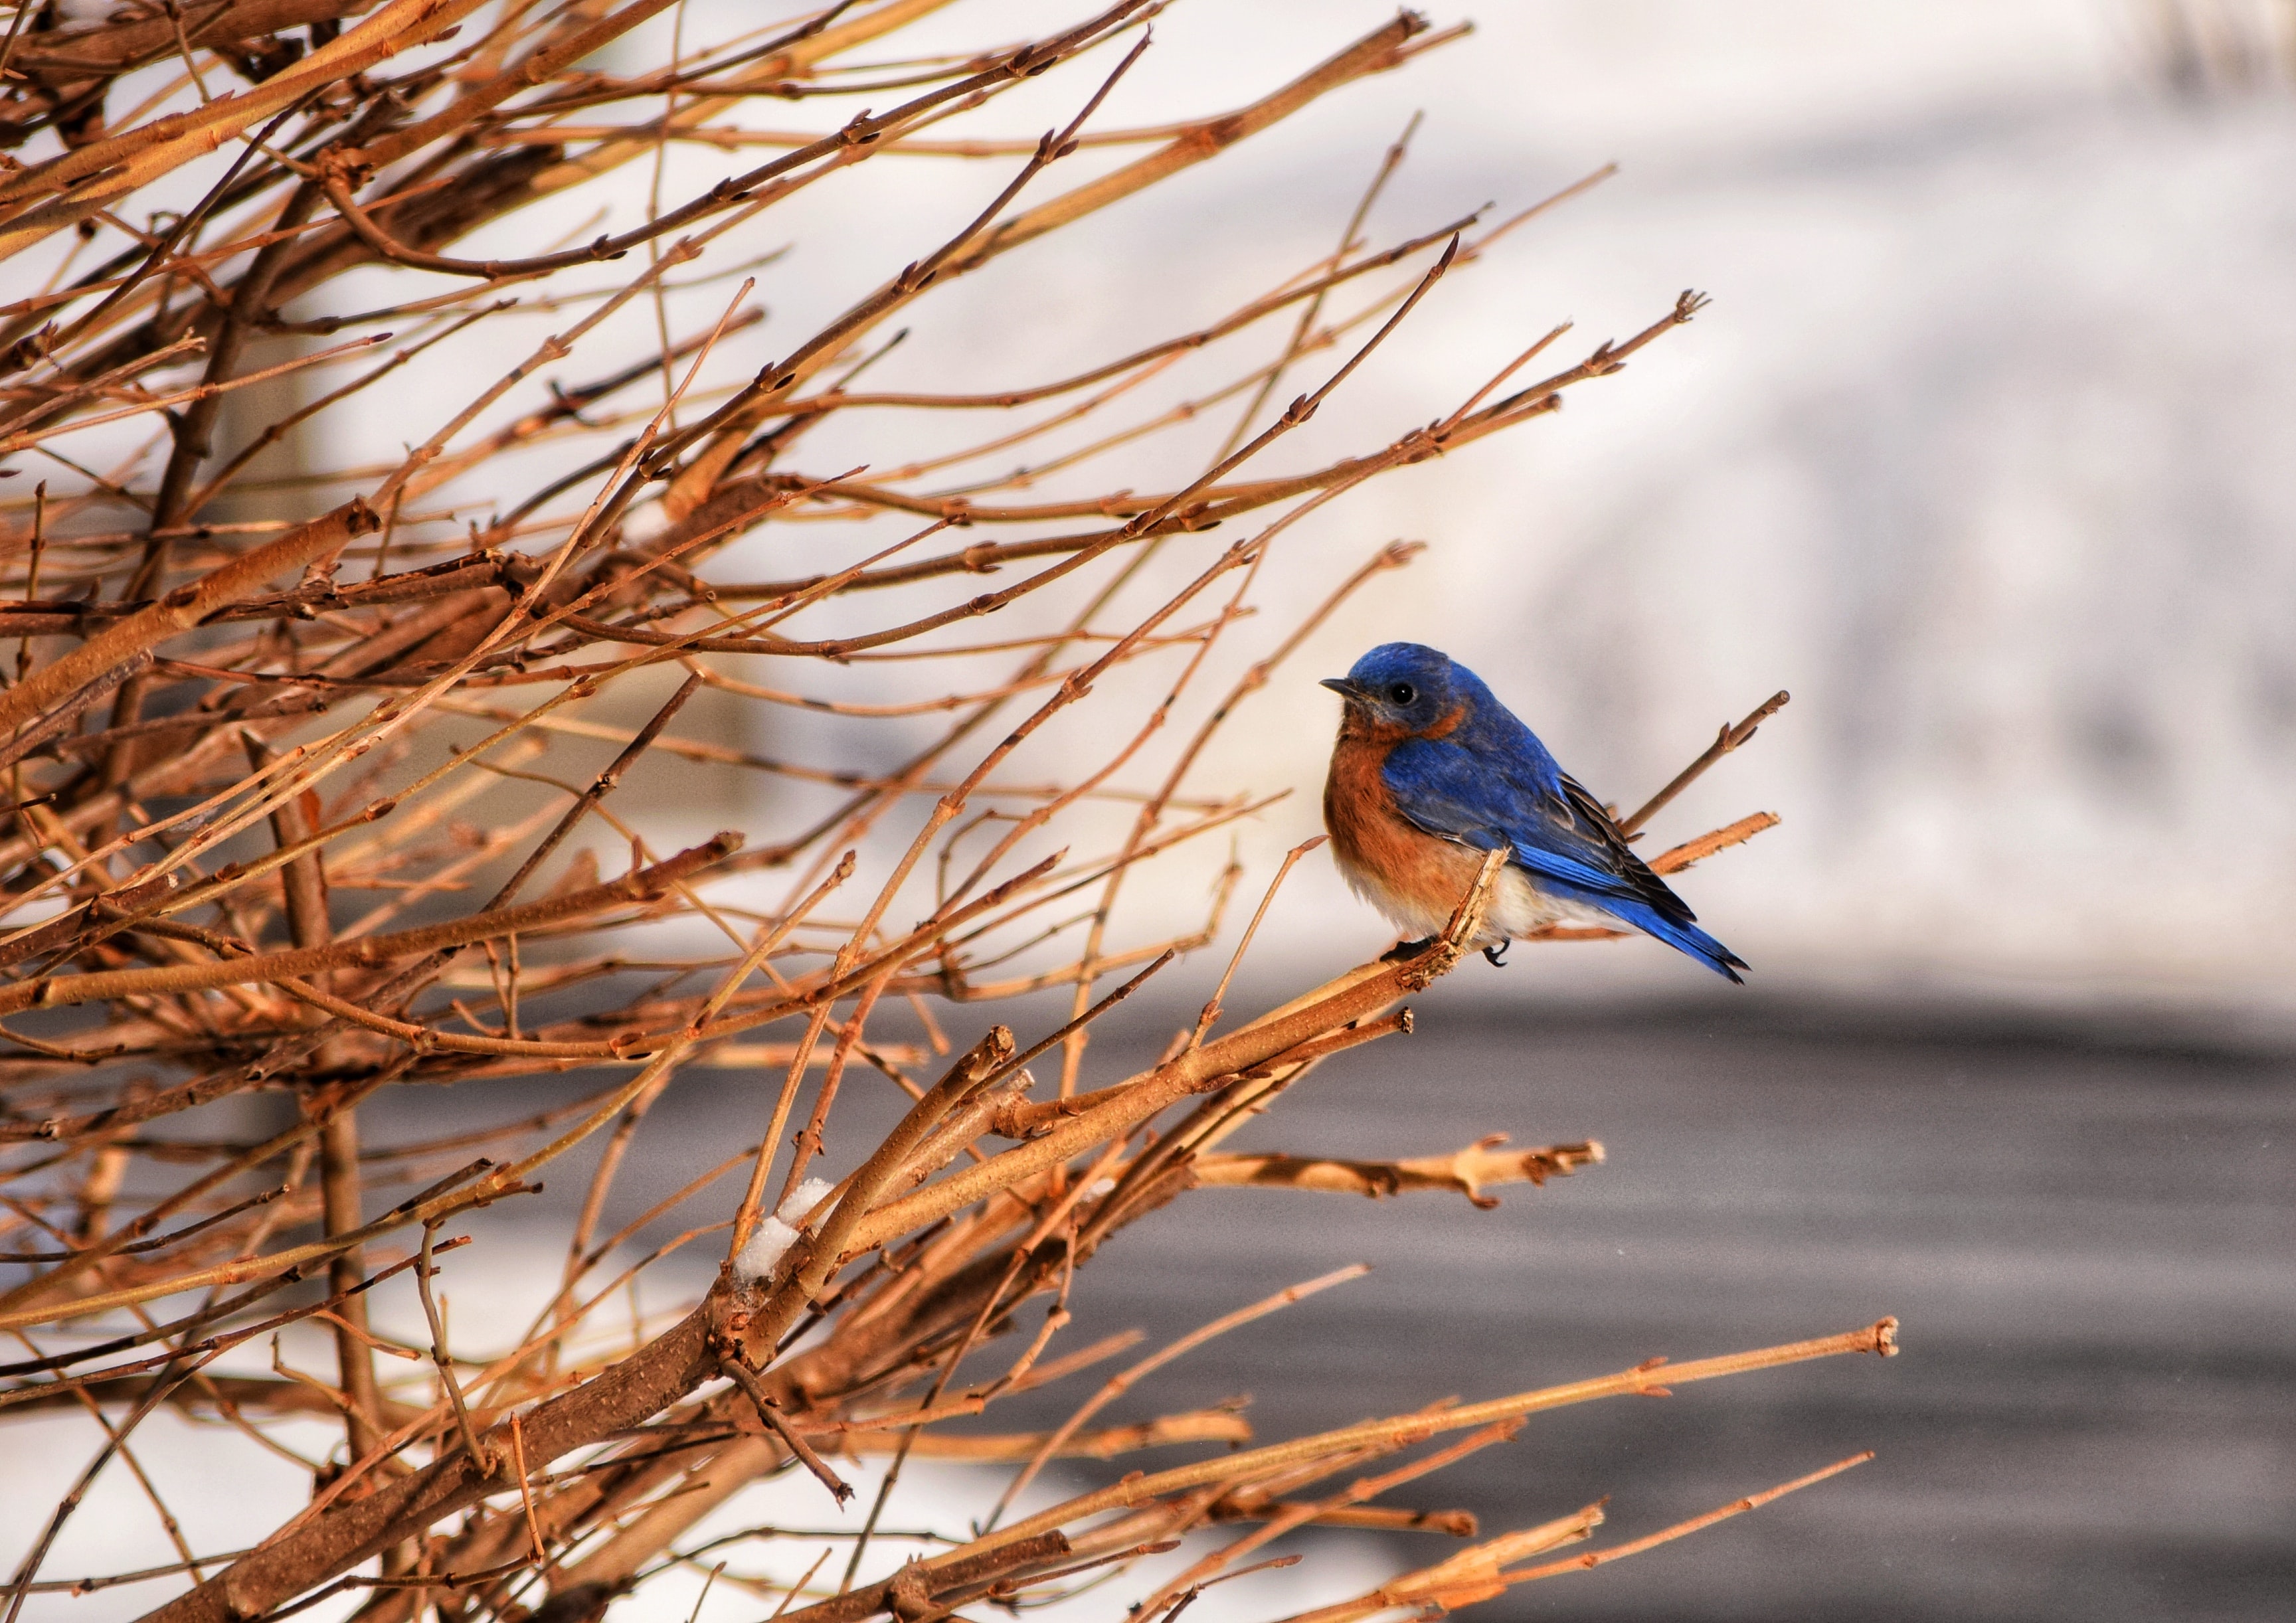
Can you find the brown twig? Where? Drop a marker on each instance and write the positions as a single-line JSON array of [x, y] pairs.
[[1468, 1172], [770, 1413], [424, 1272], [1728, 739]]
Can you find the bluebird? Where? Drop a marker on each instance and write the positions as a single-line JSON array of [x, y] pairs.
[[1431, 772]]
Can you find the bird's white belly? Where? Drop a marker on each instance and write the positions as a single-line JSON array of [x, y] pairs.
[[1517, 907]]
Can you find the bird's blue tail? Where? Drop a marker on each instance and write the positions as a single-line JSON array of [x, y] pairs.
[[1683, 938]]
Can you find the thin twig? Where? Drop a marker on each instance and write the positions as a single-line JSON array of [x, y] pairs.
[[1728, 739], [424, 1274], [770, 1412]]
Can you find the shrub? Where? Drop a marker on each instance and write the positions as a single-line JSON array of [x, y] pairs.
[[292, 817]]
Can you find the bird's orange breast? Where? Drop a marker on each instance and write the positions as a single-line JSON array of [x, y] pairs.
[[1376, 847]]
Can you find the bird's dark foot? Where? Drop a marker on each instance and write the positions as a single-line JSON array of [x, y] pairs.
[[1497, 955], [1406, 949]]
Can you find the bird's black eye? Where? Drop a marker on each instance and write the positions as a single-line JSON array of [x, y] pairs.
[[1403, 693]]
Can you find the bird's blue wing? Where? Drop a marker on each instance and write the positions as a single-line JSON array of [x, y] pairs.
[[1559, 832]]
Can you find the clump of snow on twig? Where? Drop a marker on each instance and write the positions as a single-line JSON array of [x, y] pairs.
[[774, 1237]]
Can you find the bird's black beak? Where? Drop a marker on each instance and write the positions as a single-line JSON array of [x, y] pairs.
[[1344, 687]]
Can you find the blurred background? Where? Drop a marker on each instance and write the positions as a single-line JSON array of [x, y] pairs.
[[1982, 451]]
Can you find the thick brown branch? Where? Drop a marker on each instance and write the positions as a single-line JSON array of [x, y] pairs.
[[182, 608], [1469, 1172]]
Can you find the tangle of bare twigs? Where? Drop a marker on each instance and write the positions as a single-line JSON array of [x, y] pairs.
[[318, 775]]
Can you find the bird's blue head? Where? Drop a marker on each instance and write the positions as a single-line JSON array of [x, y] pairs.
[[1406, 687]]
